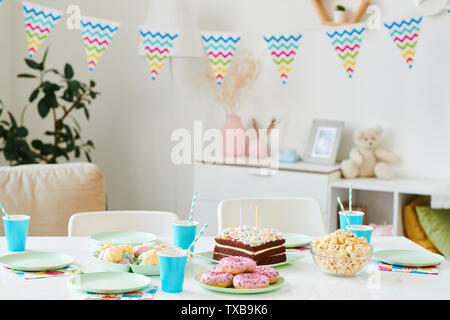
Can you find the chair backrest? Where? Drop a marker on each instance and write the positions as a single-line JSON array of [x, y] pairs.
[[51, 193], [299, 215], [88, 223]]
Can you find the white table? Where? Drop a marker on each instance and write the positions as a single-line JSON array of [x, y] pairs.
[[303, 279]]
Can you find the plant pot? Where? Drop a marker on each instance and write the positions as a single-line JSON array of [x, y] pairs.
[[339, 16], [234, 145]]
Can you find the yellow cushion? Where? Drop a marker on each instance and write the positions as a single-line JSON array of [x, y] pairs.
[[413, 228], [50, 194]]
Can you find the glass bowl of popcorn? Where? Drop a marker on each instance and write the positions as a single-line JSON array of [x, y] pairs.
[[341, 253]]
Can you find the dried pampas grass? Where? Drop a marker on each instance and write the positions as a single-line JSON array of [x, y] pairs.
[[242, 74]]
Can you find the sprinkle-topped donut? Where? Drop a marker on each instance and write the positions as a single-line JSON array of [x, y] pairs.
[[237, 265], [217, 279], [216, 268], [269, 272], [250, 281]]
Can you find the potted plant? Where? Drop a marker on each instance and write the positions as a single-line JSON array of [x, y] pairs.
[[241, 75], [339, 14], [59, 96]]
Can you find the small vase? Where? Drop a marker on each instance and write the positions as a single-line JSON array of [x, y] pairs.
[[236, 131], [339, 16]]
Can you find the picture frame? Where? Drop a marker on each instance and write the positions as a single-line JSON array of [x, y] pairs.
[[323, 141]]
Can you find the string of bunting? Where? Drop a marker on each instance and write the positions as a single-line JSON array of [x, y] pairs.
[[220, 47]]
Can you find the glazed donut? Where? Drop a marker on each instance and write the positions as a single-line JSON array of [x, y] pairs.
[[236, 265], [250, 281], [217, 279], [269, 272]]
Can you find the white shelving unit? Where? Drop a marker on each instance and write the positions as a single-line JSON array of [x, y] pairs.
[[384, 198]]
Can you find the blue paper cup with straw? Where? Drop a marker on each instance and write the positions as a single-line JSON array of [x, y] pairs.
[[354, 217], [361, 231], [184, 233], [172, 265], [16, 230]]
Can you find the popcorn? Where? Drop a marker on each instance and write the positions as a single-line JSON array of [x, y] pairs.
[[342, 252]]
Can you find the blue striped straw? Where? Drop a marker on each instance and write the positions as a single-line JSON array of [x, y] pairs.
[[350, 200], [202, 230], [194, 198], [4, 211], [343, 209]]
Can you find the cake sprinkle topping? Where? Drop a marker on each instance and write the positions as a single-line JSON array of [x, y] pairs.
[[251, 236]]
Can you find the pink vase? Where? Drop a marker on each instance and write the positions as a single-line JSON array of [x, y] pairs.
[[234, 144]]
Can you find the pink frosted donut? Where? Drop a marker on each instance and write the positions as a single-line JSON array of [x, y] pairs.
[[236, 265], [250, 281], [124, 261], [217, 279], [216, 268], [269, 272]]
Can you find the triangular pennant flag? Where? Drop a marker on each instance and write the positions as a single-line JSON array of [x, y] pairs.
[[157, 46], [283, 49], [97, 35], [405, 34], [347, 43], [39, 21], [220, 48]]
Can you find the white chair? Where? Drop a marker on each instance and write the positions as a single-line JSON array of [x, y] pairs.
[[299, 215], [88, 223]]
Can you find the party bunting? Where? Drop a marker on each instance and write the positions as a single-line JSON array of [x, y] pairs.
[[347, 44], [39, 21], [220, 48], [405, 35], [157, 46], [97, 35], [283, 50]]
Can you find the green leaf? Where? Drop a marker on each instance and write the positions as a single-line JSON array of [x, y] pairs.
[[48, 87], [34, 65], [22, 132], [92, 83], [13, 121], [86, 112], [88, 157], [44, 57], [26, 75], [34, 95], [37, 144], [77, 152], [43, 107], [68, 71]]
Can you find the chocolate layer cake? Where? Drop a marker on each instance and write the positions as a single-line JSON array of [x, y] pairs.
[[265, 246]]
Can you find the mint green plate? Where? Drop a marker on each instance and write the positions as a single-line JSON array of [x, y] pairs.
[[291, 256], [294, 240], [409, 258], [111, 266], [271, 287], [36, 261], [145, 269], [124, 237], [109, 282]]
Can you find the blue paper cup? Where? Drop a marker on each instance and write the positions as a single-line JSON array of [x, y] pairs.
[[361, 231], [356, 217], [184, 233], [16, 230], [172, 263]]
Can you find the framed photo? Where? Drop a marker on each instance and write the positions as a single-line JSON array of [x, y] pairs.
[[323, 141]]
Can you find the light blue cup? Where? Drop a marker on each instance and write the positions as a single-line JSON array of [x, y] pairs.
[[172, 264], [16, 230], [184, 233], [356, 217], [361, 231]]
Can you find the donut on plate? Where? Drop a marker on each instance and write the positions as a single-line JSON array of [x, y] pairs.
[[269, 272], [237, 265], [217, 279], [250, 281]]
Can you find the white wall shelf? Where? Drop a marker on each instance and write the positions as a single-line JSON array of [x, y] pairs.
[[384, 198]]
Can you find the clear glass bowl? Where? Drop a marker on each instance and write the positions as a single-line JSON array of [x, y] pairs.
[[341, 266]]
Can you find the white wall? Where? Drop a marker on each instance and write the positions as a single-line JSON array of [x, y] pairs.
[[132, 120]]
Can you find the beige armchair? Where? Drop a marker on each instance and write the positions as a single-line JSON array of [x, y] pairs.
[[51, 193]]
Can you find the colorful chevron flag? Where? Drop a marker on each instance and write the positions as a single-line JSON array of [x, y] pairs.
[[157, 46], [405, 35], [283, 49], [39, 21], [220, 48], [347, 44], [97, 35]]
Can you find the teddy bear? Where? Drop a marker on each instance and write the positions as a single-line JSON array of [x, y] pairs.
[[367, 159]]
